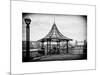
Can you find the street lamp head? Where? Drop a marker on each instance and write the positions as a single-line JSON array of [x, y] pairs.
[[27, 21]]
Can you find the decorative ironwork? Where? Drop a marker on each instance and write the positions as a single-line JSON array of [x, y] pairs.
[[54, 36]]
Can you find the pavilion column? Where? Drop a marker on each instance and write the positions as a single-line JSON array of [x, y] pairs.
[[42, 47], [58, 45], [67, 45], [46, 50], [42, 44], [50, 44]]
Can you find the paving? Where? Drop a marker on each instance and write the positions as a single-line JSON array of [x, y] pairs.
[[59, 57]]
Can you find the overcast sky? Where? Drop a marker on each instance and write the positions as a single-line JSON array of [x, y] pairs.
[[71, 26]]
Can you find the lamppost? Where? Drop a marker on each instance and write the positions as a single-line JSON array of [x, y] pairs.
[[27, 21]]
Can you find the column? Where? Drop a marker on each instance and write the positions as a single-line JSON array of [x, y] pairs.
[[57, 46], [42, 44], [47, 46], [67, 45], [50, 46], [46, 50]]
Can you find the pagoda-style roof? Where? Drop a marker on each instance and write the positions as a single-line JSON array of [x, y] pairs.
[[54, 35]]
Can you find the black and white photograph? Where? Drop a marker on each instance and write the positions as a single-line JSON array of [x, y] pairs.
[[53, 37]]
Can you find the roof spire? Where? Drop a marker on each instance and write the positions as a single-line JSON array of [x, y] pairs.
[[54, 20]]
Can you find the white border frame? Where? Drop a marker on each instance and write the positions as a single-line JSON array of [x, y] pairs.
[[17, 67]]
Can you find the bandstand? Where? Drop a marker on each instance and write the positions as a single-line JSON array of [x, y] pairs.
[[53, 36]]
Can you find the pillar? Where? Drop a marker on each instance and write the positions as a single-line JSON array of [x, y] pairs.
[[42, 44], [46, 50], [67, 45], [50, 46], [58, 46]]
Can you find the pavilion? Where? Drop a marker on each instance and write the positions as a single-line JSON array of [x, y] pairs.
[[54, 36]]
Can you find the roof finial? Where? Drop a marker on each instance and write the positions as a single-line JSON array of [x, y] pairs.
[[54, 20]]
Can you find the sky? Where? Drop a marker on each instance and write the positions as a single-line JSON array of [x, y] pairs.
[[71, 26]]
